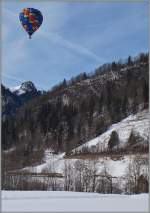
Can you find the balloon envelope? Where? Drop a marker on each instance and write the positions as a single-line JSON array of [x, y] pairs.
[[31, 19]]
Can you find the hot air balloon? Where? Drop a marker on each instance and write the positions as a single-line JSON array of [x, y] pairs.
[[31, 19]]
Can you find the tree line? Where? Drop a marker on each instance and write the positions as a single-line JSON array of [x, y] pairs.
[[84, 176]]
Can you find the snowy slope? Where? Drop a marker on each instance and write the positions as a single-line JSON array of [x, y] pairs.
[[115, 168], [17, 90], [139, 123], [13, 89], [48, 201], [53, 161]]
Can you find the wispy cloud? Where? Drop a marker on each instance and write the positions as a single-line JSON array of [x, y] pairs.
[[76, 48], [12, 77], [73, 38], [20, 80]]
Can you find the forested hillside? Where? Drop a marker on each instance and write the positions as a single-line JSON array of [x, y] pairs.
[[75, 111]]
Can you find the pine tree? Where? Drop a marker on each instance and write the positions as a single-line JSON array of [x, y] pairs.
[[114, 140], [130, 62]]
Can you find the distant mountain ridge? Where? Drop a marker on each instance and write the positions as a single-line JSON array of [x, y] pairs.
[[13, 98]]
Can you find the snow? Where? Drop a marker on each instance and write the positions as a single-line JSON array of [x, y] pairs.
[[9, 150], [139, 123], [52, 201], [20, 92], [53, 161], [13, 89], [17, 90], [114, 168]]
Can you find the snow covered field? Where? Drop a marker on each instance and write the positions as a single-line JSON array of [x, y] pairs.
[[48, 201]]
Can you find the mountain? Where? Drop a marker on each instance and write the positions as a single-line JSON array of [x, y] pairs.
[[26, 87], [88, 168], [118, 159], [77, 111], [15, 97]]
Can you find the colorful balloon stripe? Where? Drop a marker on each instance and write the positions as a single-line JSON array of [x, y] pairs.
[[31, 19]]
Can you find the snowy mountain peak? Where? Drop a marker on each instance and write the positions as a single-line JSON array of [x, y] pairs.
[[27, 86]]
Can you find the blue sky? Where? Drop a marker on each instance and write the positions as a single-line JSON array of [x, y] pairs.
[[74, 38]]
